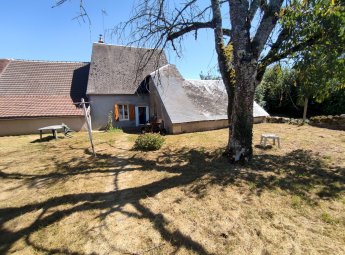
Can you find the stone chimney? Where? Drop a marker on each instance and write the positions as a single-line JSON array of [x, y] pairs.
[[100, 40]]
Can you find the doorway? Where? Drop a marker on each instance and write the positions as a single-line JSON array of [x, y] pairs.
[[141, 115]]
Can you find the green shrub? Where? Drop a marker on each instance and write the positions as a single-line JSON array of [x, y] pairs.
[[115, 130], [109, 125], [149, 142]]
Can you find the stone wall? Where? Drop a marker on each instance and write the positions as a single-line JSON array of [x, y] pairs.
[[333, 122]]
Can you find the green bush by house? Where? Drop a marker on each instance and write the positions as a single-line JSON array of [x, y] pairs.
[[149, 142]]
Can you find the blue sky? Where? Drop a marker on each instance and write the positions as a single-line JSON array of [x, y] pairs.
[[36, 31]]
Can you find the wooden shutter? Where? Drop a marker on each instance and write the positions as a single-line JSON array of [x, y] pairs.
[[116, 112], [131, 112]]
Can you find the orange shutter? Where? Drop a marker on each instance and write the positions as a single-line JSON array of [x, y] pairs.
[[131, 112], [116, 112]]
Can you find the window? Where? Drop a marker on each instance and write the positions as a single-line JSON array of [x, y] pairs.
[[123, 112]]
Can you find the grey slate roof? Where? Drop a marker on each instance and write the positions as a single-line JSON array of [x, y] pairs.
[[120, 69], [42, 88], [193, 100]]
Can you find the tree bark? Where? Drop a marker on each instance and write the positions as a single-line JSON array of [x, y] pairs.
[[305, 108], [245, 65], [240, 140]]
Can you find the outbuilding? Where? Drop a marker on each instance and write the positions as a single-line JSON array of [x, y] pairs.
[[34, 94], [191, 105]]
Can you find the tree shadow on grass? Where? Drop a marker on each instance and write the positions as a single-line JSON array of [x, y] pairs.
[[47, 139], [329, 126], [298, 172]]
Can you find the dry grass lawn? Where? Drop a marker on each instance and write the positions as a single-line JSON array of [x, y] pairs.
[[55, 198]]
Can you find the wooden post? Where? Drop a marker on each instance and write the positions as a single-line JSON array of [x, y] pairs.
[[88, 123], [88, 111]]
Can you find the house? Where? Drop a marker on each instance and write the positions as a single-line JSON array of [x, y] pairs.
[[130, 84], [135, 84], [118, 84], [35, 94]]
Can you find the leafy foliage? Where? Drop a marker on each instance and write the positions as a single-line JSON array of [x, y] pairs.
[[280, 93], [320, 66], [149, 142], [334, 104], [209, 76], [320, 75], [318, 24], [259, 96], [277, 91], [109, 125]]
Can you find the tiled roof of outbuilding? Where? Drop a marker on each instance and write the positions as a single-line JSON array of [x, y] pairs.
[[42, 88], [3, 64], [37, 106], [120, 69]]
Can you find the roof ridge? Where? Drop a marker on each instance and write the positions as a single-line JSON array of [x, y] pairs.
[[202, 80], [128, 46], [162, 67], [49, 61]]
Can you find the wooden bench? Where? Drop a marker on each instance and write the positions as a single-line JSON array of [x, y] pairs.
[[274, 137]]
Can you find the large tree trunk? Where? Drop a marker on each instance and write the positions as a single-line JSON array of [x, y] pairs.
[[240, 140], [241, 55]]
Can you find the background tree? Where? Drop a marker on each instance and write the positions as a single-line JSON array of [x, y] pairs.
[[320, 68], [334, 104], [277, 91], [209, 76], [281, 93], [317, 77]]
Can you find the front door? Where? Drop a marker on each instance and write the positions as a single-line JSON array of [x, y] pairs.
[[141, 115]]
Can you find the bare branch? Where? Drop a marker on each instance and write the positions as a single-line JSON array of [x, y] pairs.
[[266, 26], [252, 9], [275, 47], [223, 60], [194, 27], [82, 12], [274, 55], [157, 21], [58, 3]]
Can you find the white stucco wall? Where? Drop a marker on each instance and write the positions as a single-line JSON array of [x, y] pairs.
[[198, 126], [101, 105], [30, 125]]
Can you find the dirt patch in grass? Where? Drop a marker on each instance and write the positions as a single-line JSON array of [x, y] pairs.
[[183, 199]]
